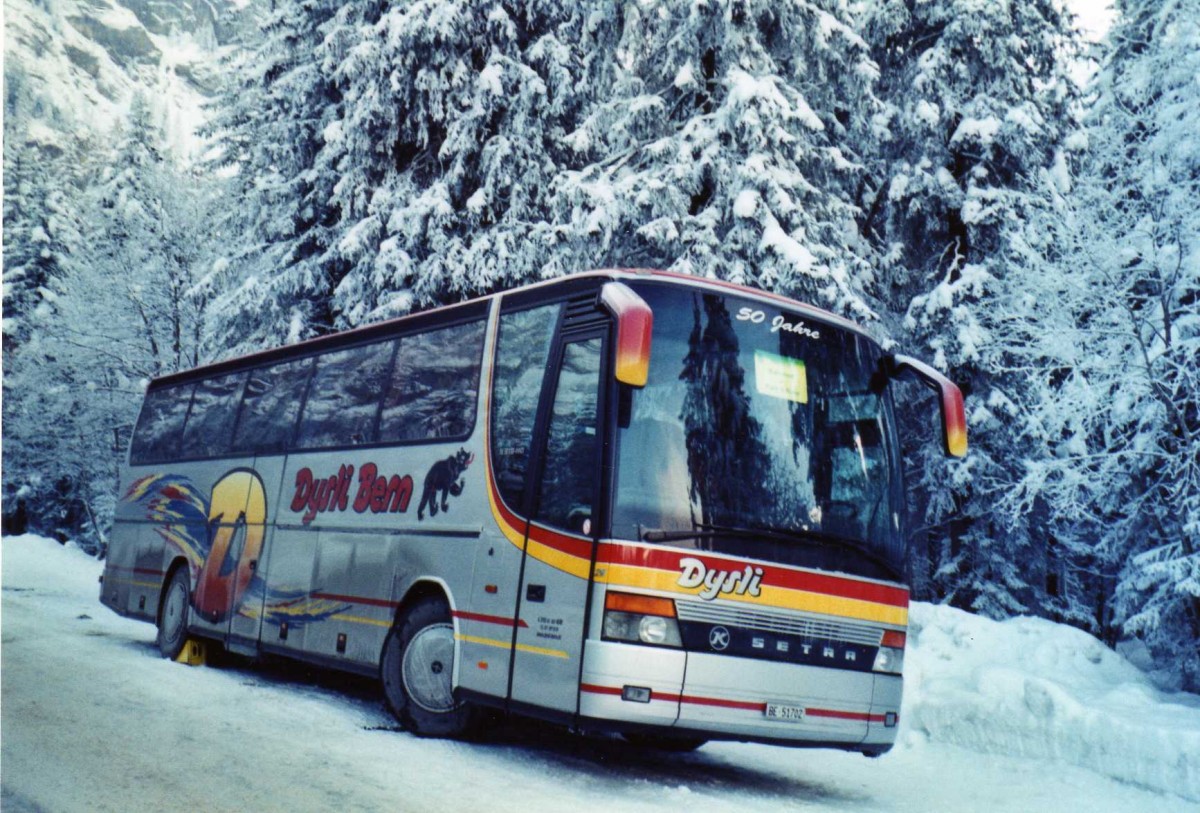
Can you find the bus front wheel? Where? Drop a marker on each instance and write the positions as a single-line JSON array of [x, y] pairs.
[[173, 616], [417, 671]]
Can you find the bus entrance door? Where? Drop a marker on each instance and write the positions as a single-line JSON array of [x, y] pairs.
[[555, 577]]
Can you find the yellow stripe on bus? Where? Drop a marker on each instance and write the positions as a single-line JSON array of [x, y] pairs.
[[360, 620], [559, 560], [509, 532], [535, 650], [667, 581]]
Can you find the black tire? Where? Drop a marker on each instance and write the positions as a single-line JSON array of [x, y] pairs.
[[417, 670], [174, 614], [663, 742]]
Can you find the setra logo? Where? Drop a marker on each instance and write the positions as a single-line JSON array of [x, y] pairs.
[[694, 573]]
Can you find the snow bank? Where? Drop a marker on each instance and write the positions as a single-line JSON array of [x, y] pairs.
[[37, 563], [1029, 687]]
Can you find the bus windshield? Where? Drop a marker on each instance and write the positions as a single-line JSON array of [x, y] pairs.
[[760, 433]]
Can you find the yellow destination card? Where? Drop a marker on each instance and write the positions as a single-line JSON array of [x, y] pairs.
[[780, 377]]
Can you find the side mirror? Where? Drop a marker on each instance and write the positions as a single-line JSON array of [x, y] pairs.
[[954, 415], [635, 322]]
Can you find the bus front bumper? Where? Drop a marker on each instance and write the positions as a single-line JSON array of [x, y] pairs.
[[725, 697]]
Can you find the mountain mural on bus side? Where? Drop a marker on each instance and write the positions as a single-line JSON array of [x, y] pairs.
[[213, 532]]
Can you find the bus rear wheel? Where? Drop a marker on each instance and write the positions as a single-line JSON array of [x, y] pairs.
[[173, 615], [417, 671]]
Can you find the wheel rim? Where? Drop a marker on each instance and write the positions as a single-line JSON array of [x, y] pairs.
[[428, 666], [173, 611]]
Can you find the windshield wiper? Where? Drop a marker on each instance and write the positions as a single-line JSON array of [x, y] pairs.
[[708, 531]]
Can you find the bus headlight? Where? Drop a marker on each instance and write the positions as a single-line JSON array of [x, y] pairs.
[[642, 619], [890, 657]]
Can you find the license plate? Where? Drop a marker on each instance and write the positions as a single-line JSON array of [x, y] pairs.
[[793, 714]]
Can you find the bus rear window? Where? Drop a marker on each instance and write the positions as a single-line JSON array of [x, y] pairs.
[[156, 437], [209, 426]]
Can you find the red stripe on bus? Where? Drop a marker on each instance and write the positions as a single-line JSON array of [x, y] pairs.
[[669, 559], [578, 547], [679, 698], [745, 705], [370, 602], [515, 523], [575, 546], [723, 703], [489, 619]]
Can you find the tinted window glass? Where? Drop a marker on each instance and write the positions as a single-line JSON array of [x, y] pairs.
[[269, 406], [569, 477], [343, 401], [210, 422], [523, 349], [434, 385], [160, 425]]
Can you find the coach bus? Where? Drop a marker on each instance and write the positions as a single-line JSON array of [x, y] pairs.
[[625, 501]]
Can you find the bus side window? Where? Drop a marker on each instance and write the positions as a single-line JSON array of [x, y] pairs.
[[269, 402], [343, 400], [209, 428], [160, 424], [569, 477], [522, 351], [434, 386]]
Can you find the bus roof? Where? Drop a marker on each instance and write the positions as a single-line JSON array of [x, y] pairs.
[[477, 307]]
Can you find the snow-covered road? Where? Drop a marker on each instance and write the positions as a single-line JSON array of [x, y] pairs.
[[93, 720]]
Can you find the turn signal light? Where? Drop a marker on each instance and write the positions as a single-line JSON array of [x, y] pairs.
[[644, 605]]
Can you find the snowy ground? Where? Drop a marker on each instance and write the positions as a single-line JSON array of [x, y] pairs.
[[1020, 716]]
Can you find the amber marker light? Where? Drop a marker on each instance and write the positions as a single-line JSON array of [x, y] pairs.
[[635, 322], [643, 605]]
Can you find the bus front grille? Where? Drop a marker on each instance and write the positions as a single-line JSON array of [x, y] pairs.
[[804, 626]]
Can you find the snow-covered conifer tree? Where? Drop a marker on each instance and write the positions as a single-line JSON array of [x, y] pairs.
[[978, 106], [1116, 333], [477, 144], [42, 242], [270, 121], [450, 143], [41, 229], [125, 309], [730, 146]]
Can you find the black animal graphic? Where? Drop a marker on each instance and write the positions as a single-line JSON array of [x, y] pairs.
[[443, 476]]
